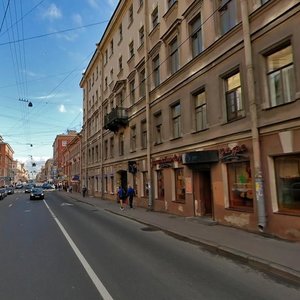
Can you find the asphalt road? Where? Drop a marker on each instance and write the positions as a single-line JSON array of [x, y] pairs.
[[64, 249]]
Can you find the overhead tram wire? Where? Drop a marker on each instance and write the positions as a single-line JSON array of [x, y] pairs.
[[23, 16], [6, 9], [53, 33]]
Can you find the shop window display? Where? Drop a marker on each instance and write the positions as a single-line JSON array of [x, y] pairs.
[[287, 170], [179, 185], [240, 185]]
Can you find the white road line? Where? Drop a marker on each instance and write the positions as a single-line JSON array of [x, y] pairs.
[[97, 282]]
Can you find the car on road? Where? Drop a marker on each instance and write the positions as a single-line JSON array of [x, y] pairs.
[[10, 190], [37, 193], [19, 186], [48, 186], [3, 193], [28, 188]]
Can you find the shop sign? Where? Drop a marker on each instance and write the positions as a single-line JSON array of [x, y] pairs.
[[167, 162], [235, 153]]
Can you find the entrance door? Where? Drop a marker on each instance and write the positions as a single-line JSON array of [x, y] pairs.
[[123, 179], [206, 192]]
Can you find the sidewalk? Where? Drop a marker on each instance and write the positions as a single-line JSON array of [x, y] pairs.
[[271, 255]]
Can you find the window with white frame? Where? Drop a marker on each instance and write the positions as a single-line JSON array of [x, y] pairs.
[[176, 120], [228, 15], [196, 35], [234, 103], [281, 76], [174, 55], [200, 110], [156, 73]]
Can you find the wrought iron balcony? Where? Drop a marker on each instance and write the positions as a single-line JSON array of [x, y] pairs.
[[117, 118]]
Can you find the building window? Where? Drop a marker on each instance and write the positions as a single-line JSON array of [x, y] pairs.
[[228, 15], [132, 91], [156, 75], [105, 149], [111, 75], [144, 134], [158, 128], [105, 57], [112, 184], [171, 2], [111, 47], [160, 185], [287, 172], [142, 35], [240, 185], [200, 111], [131, 49], [281, 76], [154, 17], [133, 138], [179, 185], [121, 144], [142, 78], [174, 56], [120, 33], [105, 184], [145, 184], [105, 82], [97, 153], [234, 104], [130, 15], [120, 63], [176, 120], [196, 36], [112, 147]]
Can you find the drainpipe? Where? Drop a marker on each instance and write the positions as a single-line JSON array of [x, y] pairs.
[[148, 116], [259, 182]]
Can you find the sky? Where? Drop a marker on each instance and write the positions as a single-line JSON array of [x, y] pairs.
[[45, 47]]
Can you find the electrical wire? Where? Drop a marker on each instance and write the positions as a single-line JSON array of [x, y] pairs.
[[6, 9]]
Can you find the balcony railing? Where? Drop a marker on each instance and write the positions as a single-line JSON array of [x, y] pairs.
[[117, 118]]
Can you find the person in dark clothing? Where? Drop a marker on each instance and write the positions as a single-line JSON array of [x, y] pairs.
[[121, 197], [130, 195], [84, 190]]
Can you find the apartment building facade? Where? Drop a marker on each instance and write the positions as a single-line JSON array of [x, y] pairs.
[[196, 105]]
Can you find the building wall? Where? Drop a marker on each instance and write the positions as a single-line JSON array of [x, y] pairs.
[[206, 188]]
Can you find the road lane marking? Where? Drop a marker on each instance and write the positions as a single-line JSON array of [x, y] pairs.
[[66, 204], [97, 282], [10, 205]]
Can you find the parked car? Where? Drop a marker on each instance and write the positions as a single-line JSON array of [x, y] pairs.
[[19, 186], [28, 188], [10, 190], [3, 193], [48, 186], [37, 193]]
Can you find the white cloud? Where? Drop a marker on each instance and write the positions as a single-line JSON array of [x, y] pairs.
[[77, 19], [93, 3], [53, 12], [62, 108]]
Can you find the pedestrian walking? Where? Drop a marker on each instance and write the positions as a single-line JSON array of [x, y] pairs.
[[84, 189], [130, 195], [121, 197]]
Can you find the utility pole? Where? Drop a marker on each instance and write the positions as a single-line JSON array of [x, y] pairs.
[[259, 183]]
